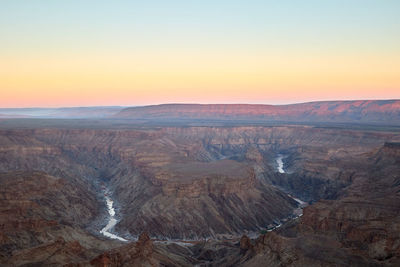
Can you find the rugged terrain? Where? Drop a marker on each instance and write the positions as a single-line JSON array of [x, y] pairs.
[[43, 219], [204, 187], [359, 228]]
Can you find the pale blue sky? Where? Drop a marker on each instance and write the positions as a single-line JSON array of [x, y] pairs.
[[340, 24]]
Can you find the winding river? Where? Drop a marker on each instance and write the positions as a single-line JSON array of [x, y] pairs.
[[299, 211], [279, 161], [112, 221]]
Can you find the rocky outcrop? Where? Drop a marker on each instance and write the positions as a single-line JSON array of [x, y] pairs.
[[138, 254], [245, 243]]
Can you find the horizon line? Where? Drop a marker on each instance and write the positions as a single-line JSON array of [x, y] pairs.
[[194, 103]]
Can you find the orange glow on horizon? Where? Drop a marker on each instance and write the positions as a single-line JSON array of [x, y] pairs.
[[134, 79], [85, 53]]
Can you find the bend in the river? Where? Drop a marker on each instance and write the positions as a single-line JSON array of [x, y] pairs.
[[112, 221], [299, 211], [279, 161]]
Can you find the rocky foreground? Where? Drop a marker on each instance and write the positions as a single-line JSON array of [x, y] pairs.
[[212, 190]]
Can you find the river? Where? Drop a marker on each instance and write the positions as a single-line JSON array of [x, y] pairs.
[[112, 220], [298, 211], [279, 161]]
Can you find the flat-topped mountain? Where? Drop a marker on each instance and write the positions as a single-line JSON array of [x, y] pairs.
[[383, 112], [364, 111]]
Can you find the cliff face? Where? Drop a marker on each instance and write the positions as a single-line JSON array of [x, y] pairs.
[[330, 111], [42, 219]]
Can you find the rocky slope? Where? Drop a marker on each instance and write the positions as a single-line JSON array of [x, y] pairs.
[[42, 219]]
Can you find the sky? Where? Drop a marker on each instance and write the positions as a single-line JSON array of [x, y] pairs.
[[90, 53]]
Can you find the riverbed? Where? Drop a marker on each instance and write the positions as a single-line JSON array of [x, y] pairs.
[[111, 220], [279, 161], [301, 204]]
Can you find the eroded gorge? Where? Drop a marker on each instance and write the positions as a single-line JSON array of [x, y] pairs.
[[222, 191]]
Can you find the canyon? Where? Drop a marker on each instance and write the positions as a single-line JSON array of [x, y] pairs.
[[134, 194]]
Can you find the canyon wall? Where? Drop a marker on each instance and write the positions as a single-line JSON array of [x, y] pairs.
[[199, 175]]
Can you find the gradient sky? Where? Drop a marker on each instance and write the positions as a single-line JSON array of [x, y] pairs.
[[86, 53]]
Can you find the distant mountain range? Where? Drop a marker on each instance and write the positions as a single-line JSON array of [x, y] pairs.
[[359, 111], [364, 111], [67, 112]]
